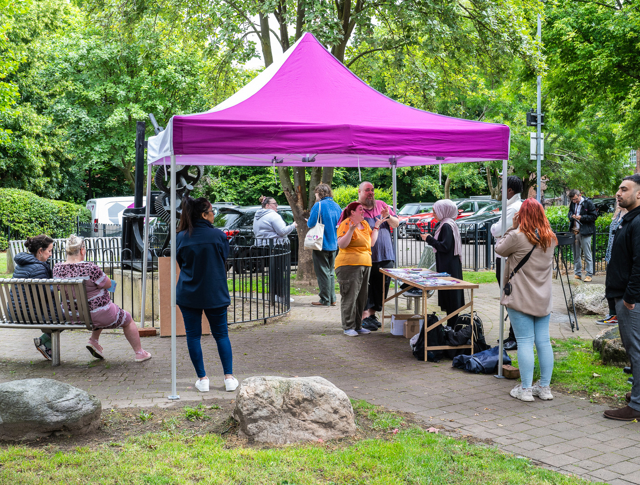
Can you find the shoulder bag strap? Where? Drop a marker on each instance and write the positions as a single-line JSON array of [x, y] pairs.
[[521, 263], [319, 219]]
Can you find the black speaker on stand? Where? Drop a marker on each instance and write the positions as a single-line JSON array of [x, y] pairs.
[[566, 239]]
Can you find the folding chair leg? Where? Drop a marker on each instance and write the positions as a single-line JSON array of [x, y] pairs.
[[55, 348]]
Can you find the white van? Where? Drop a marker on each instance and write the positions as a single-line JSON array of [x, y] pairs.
[[108, 210]]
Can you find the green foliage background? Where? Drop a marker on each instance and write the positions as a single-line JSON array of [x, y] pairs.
[[24, 214], [343, 196]]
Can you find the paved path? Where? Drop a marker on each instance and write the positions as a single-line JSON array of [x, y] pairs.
[[567, 434]]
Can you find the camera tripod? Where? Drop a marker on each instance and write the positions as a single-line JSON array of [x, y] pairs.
[[565, 239]]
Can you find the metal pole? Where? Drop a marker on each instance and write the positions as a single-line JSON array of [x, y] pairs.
[[139, 180], [147, 212], [395, 232], [502, 267], [174, 393], [539, 122]]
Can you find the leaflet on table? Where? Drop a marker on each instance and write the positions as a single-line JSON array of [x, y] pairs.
[[412, 272]]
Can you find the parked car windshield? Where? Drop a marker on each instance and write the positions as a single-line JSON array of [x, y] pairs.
[[226, 219], [488, 208]]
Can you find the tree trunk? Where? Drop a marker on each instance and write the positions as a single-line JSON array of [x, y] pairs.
[[447, 187], [265, 40]]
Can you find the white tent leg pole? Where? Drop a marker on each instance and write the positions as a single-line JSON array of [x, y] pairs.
[[147, 211], [502, 266], [174, 392], [395, 233]]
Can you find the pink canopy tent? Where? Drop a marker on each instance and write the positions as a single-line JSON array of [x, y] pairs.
[[308, 109]]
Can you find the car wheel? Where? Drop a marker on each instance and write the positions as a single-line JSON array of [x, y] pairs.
[[402, 231]]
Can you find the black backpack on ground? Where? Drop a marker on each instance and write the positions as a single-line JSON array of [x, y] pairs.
[[434, 337], [461, 335]]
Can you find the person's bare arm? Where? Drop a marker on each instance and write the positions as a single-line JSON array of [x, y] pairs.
[[343, 241]]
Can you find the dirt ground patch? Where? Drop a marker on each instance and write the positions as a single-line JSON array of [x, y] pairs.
[[212, 416]]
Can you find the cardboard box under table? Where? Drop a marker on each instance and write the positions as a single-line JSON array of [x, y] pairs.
[[458, 285], [406, 325]]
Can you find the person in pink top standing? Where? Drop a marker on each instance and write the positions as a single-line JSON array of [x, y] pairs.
[[382, 254]]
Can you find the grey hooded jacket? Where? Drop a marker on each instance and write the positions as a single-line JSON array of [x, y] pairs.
[[269, 225]]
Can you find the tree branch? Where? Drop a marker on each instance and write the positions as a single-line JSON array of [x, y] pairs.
[[375, 50]]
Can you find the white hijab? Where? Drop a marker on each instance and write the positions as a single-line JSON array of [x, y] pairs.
[[447, 212]]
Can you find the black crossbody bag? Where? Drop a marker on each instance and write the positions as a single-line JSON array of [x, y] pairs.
[[507, 287]]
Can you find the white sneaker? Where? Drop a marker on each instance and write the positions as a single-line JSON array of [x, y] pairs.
[[523, 394], [351, 333], [543, 392], [202, 385], [363, 331], [231, 384]]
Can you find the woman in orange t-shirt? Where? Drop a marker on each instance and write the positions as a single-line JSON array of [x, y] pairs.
[[353, 264]]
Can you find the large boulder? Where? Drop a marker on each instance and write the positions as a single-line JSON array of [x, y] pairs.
[[606, 334], [288, 410], [590, 300], [613, 353], [36, 408]]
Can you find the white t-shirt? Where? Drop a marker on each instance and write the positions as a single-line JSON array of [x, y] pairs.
[[513, 206]]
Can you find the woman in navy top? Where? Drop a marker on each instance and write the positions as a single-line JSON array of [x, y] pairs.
[[201, 252]]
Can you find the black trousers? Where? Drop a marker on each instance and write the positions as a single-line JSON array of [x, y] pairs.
[[512, 336], [375, 296]]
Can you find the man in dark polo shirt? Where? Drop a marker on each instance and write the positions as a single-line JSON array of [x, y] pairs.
[[382, 254]]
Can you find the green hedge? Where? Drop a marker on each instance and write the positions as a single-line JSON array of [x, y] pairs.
[[23, 214], [343, 196]]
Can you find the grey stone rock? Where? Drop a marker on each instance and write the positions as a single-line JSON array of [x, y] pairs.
[[36, 408], [589, 299], [288, 410], [613, 353], [606, 334]]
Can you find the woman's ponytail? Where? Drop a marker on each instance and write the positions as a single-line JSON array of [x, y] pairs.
[[192, 210]]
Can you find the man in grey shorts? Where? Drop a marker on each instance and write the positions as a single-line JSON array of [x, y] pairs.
[[623, 284]]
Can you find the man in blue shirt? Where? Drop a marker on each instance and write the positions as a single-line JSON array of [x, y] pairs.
[[323, 261]]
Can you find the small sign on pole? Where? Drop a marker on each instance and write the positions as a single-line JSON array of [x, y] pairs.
[[533, 149]]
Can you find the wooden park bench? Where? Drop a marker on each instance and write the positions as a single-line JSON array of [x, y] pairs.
[[54, 305]]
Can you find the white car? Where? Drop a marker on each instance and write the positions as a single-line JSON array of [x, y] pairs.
[[108, 210]]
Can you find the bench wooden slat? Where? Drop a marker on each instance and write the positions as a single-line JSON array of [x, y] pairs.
[[38, 302], [4, 309], [59, 305]]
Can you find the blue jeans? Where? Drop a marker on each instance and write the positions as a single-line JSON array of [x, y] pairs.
[[218, 323], [530, 329]]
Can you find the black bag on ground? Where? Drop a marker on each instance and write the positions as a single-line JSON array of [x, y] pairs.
[[485, 362], [461, 335], [434, 337]]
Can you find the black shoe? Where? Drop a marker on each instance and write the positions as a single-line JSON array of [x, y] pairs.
[[627, 370], [510, 345], [373, 319], [369, 325]]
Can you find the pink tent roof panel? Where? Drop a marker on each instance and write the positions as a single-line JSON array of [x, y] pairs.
[[311, 104]]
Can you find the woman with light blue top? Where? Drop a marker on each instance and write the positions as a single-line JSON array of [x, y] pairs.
[[328, 212]]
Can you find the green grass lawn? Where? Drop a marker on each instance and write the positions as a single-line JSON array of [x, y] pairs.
[[479, 277], [404, 454], [579, 369], [3, 266]]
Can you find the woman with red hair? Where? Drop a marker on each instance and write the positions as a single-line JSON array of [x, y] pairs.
[[527, 294], [353, 265]]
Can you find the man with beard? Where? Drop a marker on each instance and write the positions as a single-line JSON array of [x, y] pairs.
[[623, 284], [382, 253]]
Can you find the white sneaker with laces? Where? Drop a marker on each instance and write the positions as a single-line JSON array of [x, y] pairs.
[[202, 385], [231, 384], [543, 392], [523, 394], [351, 333], [363, 331]]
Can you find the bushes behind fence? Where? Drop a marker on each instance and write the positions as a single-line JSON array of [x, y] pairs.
[[343, 196], [24, 214]]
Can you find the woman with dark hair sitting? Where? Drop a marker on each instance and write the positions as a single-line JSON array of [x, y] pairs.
[[353, 265], [201, 252], [33, 265]]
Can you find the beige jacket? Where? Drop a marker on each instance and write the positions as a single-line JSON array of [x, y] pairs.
[[531, 286]]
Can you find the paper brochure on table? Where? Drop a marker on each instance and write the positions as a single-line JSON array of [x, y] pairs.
[[423, 277]]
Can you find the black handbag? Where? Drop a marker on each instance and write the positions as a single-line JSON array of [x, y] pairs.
[[507, 286]]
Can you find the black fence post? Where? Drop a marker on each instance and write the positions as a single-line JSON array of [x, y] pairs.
[[475, 247], [488, 245]]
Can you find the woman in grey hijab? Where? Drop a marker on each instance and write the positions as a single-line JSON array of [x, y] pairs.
[[448, 248]]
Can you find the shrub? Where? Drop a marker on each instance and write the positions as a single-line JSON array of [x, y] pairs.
[[23, 214], [345, 195]]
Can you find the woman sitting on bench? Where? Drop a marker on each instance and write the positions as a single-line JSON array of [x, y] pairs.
[[104, 313]]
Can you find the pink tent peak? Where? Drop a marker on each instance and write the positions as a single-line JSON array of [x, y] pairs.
[[310, 105]]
